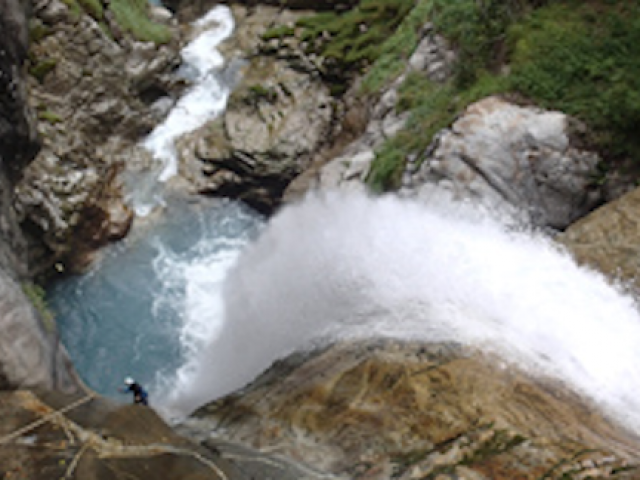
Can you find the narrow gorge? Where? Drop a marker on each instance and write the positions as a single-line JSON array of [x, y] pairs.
[[339, 239]]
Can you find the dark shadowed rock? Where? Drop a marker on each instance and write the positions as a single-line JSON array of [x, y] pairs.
[[18, 142], [390, 410]]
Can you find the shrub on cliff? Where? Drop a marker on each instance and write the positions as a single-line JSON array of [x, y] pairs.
[[131, 15], [573, 56]]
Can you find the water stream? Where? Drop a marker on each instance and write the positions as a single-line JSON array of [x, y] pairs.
[[204, 67]]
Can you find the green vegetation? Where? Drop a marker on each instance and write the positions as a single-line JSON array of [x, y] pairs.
[[351, 41], [396, 49], [581, 58], [279, 31], [39, 69], [354, 38], [74, 8], [93, 8], [132, 16], [37, 30], [49, 116], [37, 296], [570, 55]]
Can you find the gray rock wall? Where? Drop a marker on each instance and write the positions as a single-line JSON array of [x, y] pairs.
[[30, 354], [17, 137], [18, 141]]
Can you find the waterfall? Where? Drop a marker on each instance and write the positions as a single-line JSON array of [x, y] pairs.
[[197, 303], [202, 65], [353, 266]]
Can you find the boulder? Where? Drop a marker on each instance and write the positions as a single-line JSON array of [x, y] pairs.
[[384, 409], [608, 239], [511, 156], [271, 127]]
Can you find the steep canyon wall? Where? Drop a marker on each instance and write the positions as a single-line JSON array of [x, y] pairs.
[[30, 354]]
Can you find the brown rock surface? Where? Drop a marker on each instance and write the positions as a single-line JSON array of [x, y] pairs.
[[46, 436], [608, 239], [391, 410]]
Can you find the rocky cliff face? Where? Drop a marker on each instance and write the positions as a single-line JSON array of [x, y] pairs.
[[18, 142], [94, 89], [271, 127], [30, 354]]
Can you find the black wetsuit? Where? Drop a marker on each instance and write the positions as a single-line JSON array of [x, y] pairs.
[[139, 394]]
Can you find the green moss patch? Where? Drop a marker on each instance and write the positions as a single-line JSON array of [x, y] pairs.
[[49, 116], [93, 8], [39, 69], [132, 16], [37, 296]]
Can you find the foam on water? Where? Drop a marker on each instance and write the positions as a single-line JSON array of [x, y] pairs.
[[356, 266], [207, 97], [133, 313]]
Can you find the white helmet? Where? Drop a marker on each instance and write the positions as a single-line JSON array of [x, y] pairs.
[[128, 381]]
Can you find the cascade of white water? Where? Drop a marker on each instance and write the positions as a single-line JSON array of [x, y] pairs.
[[356, 266], [203, 101], [342, 266]]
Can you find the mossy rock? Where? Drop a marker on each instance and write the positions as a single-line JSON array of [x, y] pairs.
[[41, 68]]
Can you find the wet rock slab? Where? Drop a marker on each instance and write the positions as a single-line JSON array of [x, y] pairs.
[[396, 410]]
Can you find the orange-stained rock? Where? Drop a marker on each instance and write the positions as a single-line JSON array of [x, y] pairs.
[[390, 410]]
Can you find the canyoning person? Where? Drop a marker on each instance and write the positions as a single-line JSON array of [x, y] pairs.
[[140, 395]]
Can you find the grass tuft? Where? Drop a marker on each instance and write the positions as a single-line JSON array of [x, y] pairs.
[[132, 16], [37, 296], [93, 8]]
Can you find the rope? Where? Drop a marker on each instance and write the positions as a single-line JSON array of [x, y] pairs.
[[46, 418], [102, 447]]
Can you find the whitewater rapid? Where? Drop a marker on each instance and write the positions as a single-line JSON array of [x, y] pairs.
[[353, 266], [211, 80]]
